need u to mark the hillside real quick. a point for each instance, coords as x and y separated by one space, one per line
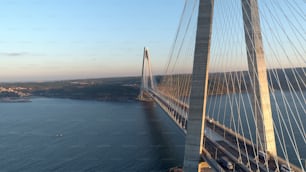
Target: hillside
127 88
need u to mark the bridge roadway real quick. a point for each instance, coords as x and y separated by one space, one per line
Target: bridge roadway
176 112
231 141
221 141
218 147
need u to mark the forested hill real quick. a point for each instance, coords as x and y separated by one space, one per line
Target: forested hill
127 88
115 89
284 79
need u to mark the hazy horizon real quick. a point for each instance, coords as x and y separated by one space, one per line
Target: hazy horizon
60 40
55 40
66 79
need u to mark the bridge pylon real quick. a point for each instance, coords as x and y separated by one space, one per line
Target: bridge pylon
199 83
146 75
265 139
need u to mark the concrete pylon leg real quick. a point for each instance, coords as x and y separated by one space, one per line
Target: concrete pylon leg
146 70
198 96
265 137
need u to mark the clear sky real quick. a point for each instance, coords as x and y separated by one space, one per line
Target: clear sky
68 39
65 39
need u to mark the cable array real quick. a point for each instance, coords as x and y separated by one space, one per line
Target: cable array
231 103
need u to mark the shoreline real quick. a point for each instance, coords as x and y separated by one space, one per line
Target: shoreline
15 100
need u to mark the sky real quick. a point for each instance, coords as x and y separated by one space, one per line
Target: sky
44 40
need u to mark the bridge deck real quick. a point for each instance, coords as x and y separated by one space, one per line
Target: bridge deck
232 142
221 141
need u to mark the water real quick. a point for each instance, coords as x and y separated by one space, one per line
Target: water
288 113
71 135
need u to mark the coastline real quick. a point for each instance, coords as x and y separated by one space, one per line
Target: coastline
15 100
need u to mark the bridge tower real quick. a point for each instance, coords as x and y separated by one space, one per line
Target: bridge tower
146 75
265 138
198 97
199 83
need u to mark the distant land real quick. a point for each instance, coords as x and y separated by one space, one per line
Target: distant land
277 79
104 89
127 88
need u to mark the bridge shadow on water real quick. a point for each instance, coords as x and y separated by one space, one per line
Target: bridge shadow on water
166 139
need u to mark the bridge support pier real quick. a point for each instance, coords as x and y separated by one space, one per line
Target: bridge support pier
203 167
198 96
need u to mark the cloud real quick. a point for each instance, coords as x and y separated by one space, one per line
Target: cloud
13 54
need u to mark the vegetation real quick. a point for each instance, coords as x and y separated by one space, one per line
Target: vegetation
115 89
127 88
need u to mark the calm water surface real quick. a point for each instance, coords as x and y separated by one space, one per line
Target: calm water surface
71 135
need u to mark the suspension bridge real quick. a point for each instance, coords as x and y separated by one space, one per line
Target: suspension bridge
234 84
